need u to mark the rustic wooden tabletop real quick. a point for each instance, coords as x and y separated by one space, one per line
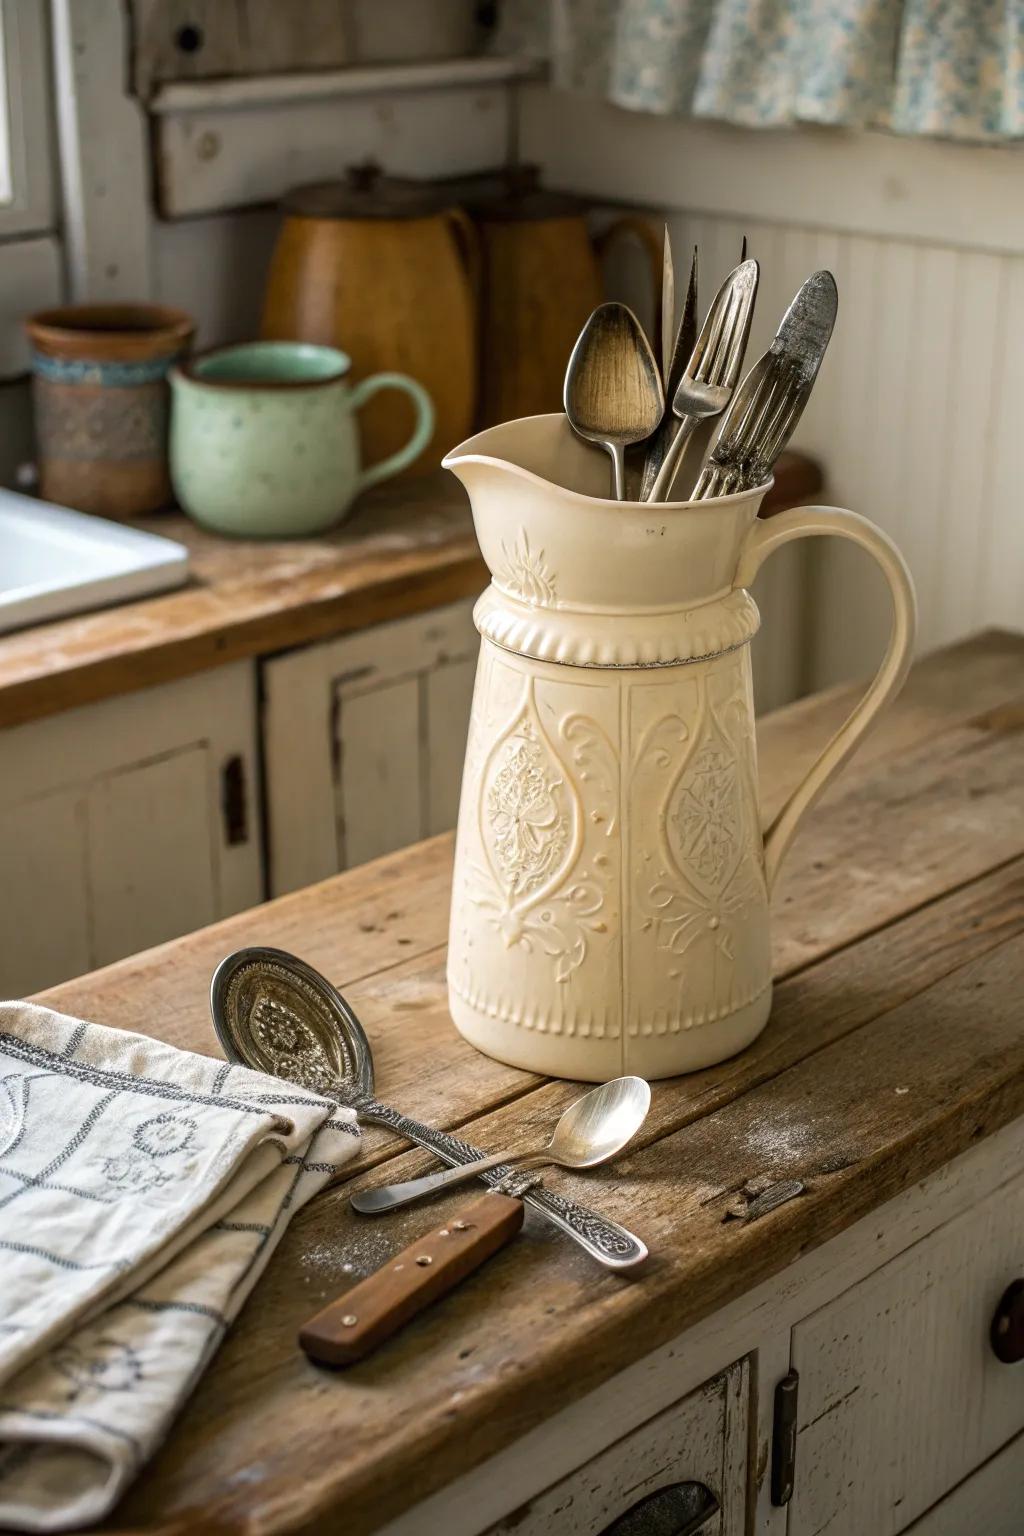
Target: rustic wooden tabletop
896 1043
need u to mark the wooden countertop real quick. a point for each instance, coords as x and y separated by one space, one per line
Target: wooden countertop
895 1043
408 547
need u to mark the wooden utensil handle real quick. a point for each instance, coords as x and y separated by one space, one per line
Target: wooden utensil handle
380 1305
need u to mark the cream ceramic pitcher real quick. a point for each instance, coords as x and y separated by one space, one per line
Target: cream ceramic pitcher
612 881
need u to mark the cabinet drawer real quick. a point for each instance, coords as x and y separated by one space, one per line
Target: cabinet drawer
699 1441
900 1395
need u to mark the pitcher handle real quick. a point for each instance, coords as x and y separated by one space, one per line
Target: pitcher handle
421 432
802 522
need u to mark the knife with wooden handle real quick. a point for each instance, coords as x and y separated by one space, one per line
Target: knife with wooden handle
375 1308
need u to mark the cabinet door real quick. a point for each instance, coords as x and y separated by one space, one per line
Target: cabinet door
900 1394
990 1502
685 1470
126 823
363 742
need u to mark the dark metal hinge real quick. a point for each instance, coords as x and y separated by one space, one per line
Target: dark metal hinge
233 802
784 1439
334 728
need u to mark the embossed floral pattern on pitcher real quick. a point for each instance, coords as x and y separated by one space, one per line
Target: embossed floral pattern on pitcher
700 887
611 888
545 865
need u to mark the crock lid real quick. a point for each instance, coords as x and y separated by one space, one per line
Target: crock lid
366 193
516 196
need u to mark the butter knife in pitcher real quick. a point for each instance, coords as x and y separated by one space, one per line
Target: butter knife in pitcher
765 409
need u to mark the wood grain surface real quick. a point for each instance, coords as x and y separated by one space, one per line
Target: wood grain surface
376 1307
896 1042
405 549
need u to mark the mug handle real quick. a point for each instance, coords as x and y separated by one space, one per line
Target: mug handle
802 522
421 433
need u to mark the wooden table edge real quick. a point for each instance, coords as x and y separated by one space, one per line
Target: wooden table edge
367 1510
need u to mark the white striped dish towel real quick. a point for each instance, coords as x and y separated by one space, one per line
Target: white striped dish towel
142 1192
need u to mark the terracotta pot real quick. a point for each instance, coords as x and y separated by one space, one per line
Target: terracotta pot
99 389
610 900
383 269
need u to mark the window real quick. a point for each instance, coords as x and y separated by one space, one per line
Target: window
26 176
6 181
30 256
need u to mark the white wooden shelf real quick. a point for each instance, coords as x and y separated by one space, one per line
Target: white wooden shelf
224 144
328 84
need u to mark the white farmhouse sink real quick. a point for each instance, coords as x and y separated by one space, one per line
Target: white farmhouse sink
54 561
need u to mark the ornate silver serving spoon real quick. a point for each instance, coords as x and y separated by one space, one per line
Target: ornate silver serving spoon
273 1012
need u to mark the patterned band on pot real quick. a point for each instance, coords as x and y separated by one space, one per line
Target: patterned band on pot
59 370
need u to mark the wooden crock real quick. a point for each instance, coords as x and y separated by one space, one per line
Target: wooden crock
101 401
541 275
383 270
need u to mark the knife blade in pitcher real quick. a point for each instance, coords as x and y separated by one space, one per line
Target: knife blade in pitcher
686 340
765 409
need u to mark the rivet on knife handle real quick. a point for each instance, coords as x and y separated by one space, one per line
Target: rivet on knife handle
614 1246
375 1308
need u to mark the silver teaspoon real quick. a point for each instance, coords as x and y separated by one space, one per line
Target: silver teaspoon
591 1131
613 392
273 1012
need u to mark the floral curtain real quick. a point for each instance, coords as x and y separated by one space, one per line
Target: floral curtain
952 68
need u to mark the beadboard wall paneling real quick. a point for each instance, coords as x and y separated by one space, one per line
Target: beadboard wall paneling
918 413
917 418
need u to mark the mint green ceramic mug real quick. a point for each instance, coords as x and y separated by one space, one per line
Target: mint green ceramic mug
263 440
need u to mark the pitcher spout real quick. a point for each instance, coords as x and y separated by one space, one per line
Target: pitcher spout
553 537
540 450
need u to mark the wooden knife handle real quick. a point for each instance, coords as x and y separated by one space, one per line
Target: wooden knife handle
380 1305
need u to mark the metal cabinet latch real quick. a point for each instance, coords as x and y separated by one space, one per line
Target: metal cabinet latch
1007 1331
233 802
784 1438
681 1509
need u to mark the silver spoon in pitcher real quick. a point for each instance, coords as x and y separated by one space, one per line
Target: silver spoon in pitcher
591 1131
613 393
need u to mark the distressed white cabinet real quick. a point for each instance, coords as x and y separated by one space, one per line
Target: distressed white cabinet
905 1420
124 823
687 1463
990 1502
901 1395
131 821
363 741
